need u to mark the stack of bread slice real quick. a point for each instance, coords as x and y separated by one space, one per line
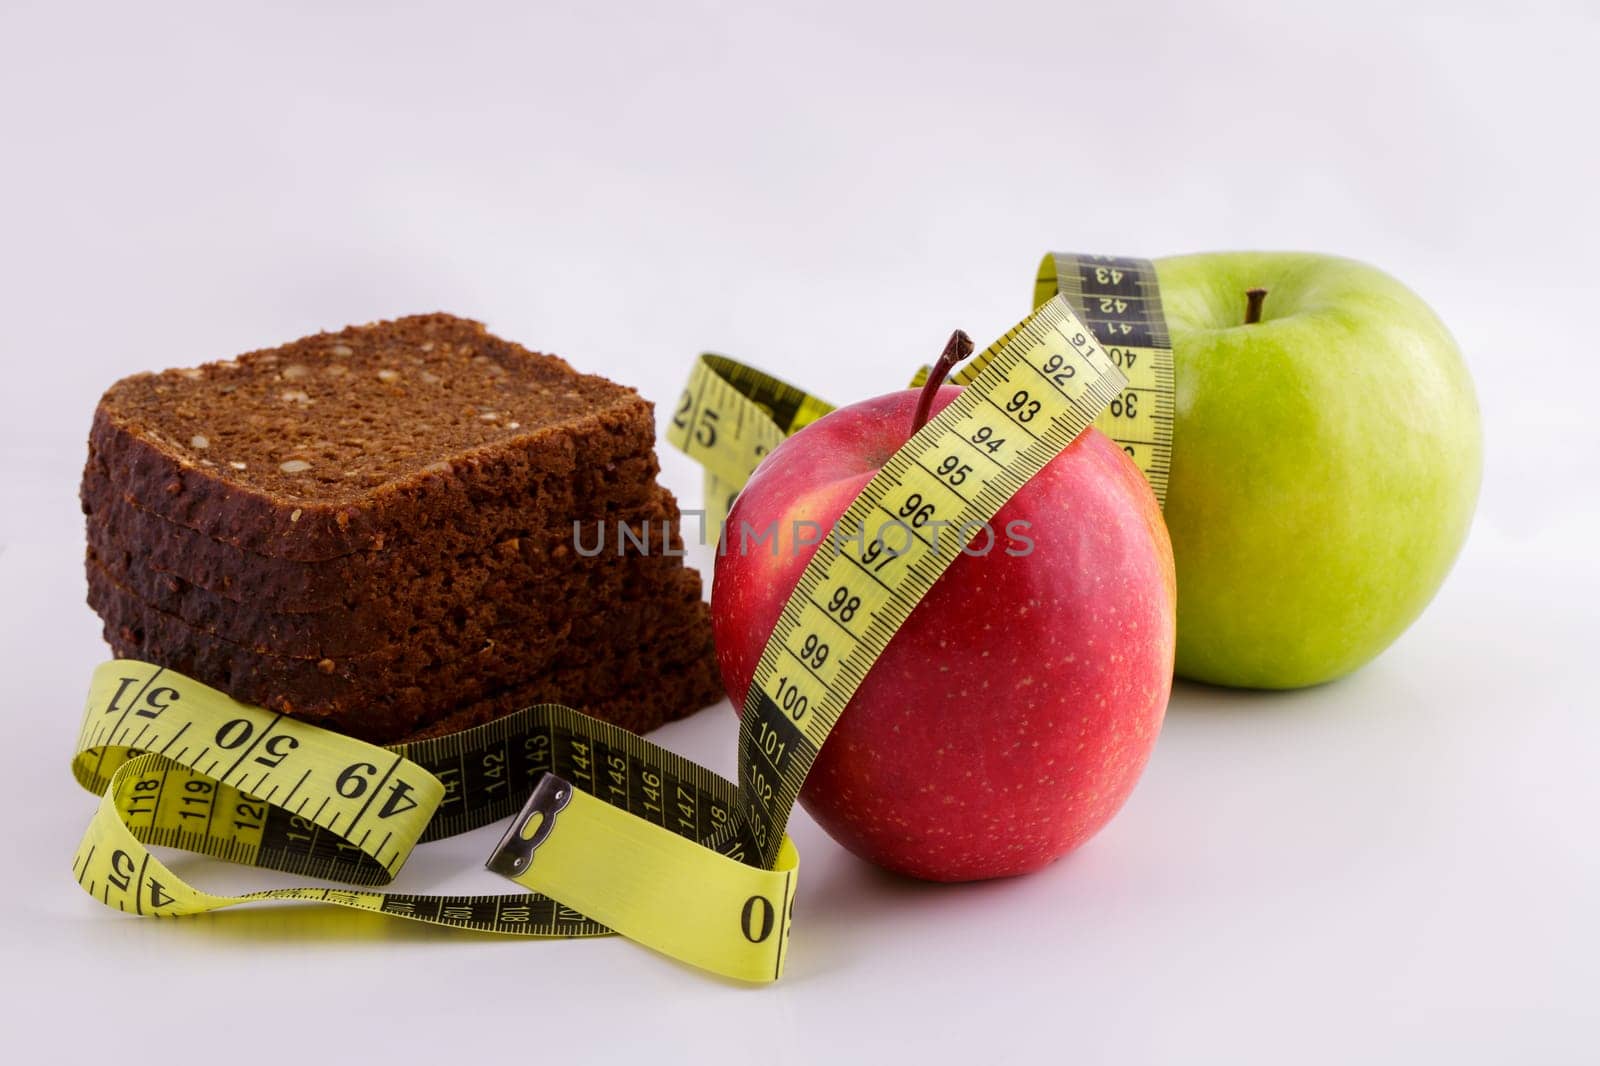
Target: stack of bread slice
394 531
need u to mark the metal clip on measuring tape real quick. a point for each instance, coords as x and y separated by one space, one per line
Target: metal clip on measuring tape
619 834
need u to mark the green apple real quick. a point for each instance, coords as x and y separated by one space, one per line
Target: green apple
1325 465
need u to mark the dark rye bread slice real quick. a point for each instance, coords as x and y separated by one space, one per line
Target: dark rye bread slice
640 689
117 525
395 709
340 442
532 616
546 573
320 687
637 686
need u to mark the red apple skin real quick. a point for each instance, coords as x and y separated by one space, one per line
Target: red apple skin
1011 715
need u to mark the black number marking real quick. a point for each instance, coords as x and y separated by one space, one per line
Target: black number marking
918 512
706 432
399 801
985 438
1058 370
813 651
353 782
123 869
235 733
156 704
877 555
251 815
277 749
790 699
1021 406
953 470
757 919
843 604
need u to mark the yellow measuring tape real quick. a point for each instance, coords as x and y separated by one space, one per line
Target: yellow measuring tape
731 415
182 765
729 418
617 834
1120 300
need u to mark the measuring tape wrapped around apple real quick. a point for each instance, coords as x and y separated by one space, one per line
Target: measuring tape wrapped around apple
620 835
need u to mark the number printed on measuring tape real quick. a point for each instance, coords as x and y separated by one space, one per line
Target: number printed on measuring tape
614 834
730 417
1119 299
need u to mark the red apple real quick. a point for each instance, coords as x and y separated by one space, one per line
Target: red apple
1009 718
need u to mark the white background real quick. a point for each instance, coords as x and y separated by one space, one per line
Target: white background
1400 867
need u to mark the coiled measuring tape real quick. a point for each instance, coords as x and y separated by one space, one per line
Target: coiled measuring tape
616 834
182 765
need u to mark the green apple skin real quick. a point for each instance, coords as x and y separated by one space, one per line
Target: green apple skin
1325 465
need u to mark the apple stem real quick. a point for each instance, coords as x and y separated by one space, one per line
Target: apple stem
1254 298
957 349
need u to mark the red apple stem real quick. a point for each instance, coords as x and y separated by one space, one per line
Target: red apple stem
957 349
1254 298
